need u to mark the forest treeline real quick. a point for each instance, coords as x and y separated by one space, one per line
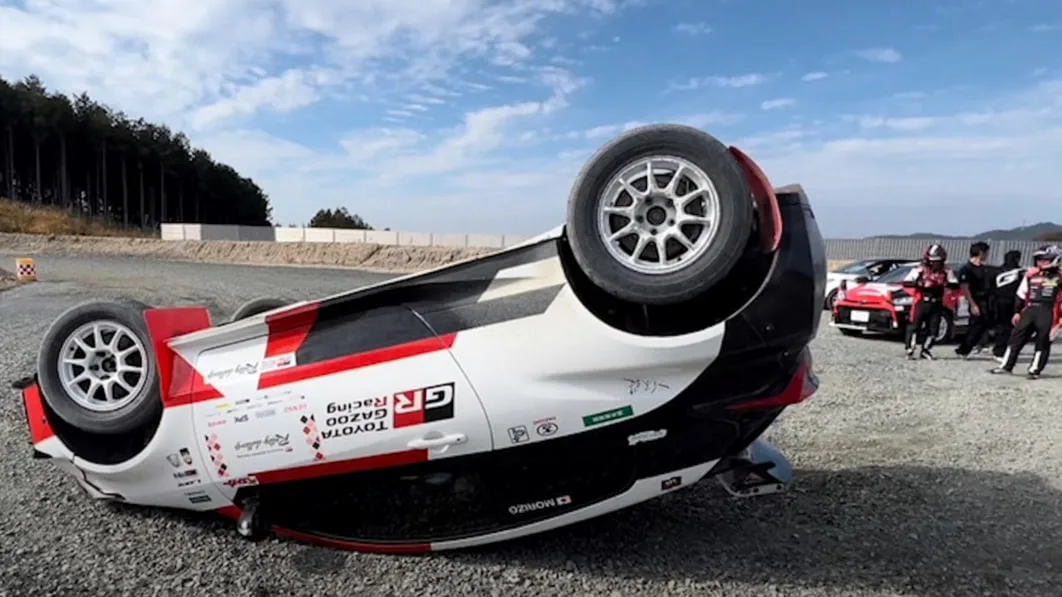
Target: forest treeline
76 153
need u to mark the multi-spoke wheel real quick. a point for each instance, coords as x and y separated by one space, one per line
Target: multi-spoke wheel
660 215
97 367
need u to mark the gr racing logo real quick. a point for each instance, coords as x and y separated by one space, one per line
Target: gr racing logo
424 405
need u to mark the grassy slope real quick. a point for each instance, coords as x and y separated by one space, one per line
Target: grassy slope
25 218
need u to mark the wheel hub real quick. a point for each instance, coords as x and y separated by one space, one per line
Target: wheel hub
102 366
659 214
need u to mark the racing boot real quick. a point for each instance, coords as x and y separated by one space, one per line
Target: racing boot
758 470
926 354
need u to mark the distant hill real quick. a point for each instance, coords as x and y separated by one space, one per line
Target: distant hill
1033 232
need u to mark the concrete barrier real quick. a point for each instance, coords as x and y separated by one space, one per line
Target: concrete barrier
836 249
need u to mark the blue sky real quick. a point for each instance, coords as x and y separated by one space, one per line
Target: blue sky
475 115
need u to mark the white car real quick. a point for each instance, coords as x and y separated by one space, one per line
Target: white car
864 270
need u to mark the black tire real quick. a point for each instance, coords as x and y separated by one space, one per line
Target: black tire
145 404
946 320
830 298
735 218
257 306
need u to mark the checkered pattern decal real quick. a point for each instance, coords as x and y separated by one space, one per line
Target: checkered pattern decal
313 436
214 448
26 270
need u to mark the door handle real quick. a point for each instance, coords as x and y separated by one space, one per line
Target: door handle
441 441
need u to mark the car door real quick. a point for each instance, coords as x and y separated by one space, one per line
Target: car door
363 389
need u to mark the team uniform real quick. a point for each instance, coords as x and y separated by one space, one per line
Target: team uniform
1003 305
1038 307
927 282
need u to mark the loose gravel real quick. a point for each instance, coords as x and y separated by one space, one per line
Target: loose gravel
913 478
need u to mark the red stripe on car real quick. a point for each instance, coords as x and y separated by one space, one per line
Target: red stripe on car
40 430
289 329
342 467
272 379
180 383
233 512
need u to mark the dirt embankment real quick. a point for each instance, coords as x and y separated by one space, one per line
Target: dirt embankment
355 255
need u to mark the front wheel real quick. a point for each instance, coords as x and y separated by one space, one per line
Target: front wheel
660 215
831 298
97 369
944 330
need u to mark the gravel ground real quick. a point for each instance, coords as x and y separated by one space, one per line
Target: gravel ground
926 478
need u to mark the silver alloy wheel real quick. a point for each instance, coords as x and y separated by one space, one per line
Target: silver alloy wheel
658 214
942 330
102 366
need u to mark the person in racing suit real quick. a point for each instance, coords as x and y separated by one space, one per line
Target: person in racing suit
927 282
1006 280
1036 311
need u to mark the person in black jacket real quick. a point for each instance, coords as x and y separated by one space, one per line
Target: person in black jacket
975 281
1001 303
927 282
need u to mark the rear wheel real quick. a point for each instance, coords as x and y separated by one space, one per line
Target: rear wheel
831 298
97 368
659 215
944 330
257 307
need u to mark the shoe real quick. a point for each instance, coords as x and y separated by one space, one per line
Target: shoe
962 355
1031 375
999 371
927 355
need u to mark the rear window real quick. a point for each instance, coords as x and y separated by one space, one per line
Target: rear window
859 267
895 276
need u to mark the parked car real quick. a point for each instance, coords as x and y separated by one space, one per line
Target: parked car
864 270
884 306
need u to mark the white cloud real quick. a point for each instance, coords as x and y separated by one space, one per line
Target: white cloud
815 76
732 82
897 124
694 29
886 55
1044 27
775 104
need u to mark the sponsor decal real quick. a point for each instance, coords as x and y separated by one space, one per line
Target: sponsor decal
261 414
186 474
608 416
646 436
269 444
189 483
563 500
241 418
312 436
518 434
357 416
223 406
243 401
248 481
670 483
198 497
644 386
216 423
424 405
241 369
546 427
278 362
179 458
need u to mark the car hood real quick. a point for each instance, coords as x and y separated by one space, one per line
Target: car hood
873 292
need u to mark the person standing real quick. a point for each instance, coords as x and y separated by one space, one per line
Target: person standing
927 282
1036 313
974 280
1001 303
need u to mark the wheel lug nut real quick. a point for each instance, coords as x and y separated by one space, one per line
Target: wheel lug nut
671 222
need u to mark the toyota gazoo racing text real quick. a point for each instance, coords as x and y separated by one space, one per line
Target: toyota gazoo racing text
883 306
644 345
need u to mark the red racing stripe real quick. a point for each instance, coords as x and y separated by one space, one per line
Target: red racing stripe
188 386
342 467
39 428
289 329
176 377
272 379
233 512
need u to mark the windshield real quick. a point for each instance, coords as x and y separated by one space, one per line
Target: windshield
859 267
895 276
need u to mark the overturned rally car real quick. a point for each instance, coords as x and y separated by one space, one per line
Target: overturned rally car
641 347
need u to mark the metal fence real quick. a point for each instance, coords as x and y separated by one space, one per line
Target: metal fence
912 248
